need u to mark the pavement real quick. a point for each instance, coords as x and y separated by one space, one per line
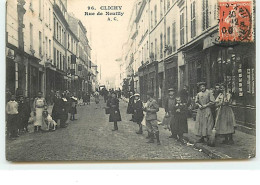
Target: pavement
243 148
90 138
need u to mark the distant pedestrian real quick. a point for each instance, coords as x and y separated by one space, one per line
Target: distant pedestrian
204 119
151 110
38 107
119 93
225 119
180 125
96 96
114 111
138 112
73 107
12 117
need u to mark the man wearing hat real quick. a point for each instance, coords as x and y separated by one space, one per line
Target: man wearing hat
151 118
204 119
169 105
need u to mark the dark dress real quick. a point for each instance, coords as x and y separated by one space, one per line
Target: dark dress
24 111
138 111
64 110
115 115
73 107
180 125
130 109
56 110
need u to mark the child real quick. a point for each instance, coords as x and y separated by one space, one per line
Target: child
180 125
12 118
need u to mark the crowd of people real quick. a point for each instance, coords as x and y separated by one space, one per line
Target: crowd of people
214 116
20 113
213 113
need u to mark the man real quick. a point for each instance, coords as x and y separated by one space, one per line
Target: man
169 105
12 117
151 109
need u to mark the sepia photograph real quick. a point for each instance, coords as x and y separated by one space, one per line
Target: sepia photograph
130 80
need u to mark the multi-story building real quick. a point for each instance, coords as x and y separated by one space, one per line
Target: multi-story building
184 50
42 49
29 45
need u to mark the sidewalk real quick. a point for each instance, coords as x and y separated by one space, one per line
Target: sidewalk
243 148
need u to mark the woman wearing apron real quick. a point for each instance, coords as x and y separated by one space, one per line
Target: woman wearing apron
38 107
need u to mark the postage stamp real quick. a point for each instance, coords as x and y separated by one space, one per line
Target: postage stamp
235 21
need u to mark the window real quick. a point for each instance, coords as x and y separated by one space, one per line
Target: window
54 57
31 36
152 19
205 11
40 43
155 49
174 36
58 61
168 36
49 48
49 16
40 8
68 41
54 27
46 47
161 45
168 4
182 28
161 9
193 20
152 47
155 15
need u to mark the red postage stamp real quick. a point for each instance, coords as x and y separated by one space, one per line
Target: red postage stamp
235 21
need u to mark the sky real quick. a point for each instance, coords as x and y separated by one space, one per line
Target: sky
107 37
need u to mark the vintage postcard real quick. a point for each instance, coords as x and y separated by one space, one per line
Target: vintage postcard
130 80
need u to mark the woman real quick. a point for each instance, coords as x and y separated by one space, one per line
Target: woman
130 104
225 118
114 116
56 107
169 106
73 107
138 112
38 107
64 109
204 119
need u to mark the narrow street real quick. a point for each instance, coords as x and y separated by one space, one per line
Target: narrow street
90 138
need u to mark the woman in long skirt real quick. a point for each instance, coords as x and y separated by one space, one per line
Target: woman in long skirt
38 106
204 119
114 111
225 118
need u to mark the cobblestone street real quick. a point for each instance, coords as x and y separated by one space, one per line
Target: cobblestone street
91 138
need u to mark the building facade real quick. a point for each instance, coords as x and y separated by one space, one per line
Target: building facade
183 49
43 51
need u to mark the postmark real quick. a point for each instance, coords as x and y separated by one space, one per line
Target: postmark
235 21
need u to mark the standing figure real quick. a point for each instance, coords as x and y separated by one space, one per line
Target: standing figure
151 110
64 110
215 92
225 119
73 107
56 107
130 104
119 93
138 112
169 106
88 98
180 125
84 98
204 119
115 115
38 107
12 116
24 114
96 95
